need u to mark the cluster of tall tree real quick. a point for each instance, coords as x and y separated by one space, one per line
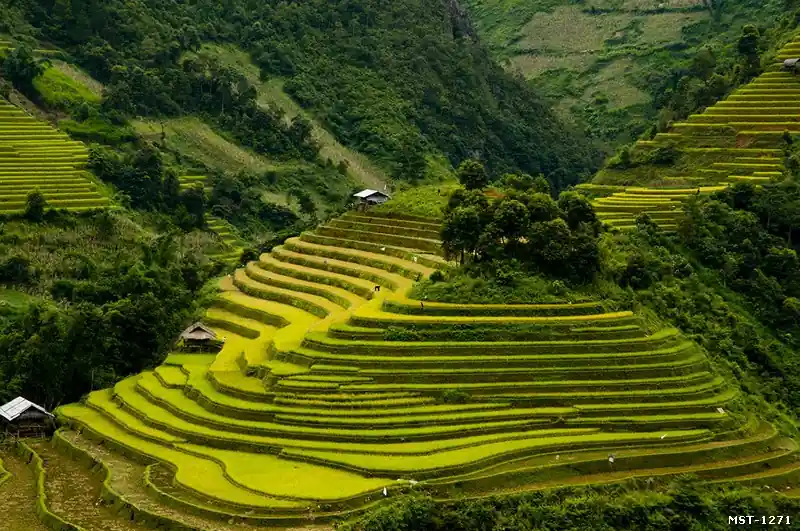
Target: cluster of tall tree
750 235
108 315
525 225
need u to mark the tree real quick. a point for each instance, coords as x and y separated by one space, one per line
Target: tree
461 232
549 245
461 198
704 63
15 269
715 8
541 207
511 218
524 182
304 201
749 48
577 209
21 67
35 205
194 200
472 175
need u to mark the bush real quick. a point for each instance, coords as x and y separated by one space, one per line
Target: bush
437 276
35 206
15 269
455 396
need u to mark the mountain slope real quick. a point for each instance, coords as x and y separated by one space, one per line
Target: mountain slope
327 370
611 65
394 81
271 93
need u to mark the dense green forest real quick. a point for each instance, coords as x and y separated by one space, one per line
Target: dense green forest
616 508
395 81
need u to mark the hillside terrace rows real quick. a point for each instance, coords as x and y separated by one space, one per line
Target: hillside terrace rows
231 244
317 401
34 155
739 139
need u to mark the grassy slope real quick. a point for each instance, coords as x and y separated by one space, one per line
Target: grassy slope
79 77
63 83
15 299
557 39
270 93
197 141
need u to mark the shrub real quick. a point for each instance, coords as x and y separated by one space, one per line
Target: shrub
35 206
455 396
15 269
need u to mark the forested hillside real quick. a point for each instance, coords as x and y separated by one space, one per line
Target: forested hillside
396 80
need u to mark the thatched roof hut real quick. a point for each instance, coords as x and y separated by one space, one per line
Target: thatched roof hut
198 332
199 337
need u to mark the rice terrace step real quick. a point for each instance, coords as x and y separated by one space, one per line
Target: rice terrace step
34 155
311 412
717 148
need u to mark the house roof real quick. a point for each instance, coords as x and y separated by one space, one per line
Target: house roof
791 62
17 407
369 193
198 331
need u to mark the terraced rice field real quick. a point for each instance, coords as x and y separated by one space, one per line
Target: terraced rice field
35 155
311 410
736 140
232 245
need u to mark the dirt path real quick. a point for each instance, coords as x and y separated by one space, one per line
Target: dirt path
18 496
73 493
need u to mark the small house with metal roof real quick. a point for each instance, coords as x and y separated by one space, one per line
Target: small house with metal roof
368 197
23 418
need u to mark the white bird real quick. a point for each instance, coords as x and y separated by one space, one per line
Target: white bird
415 259
663 435
383 248
385 492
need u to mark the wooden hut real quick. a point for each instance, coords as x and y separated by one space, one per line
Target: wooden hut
366 198
199 338
792 65
23 418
